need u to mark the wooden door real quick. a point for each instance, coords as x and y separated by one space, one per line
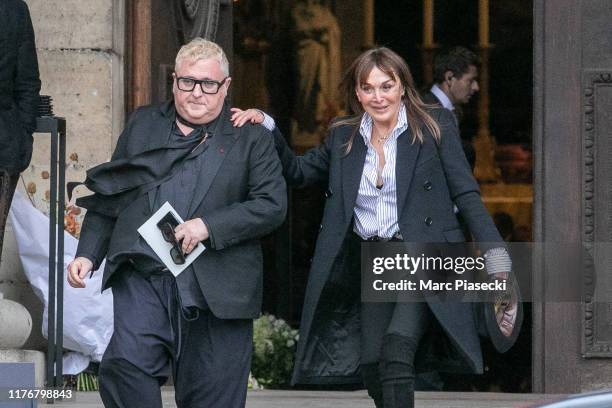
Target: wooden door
572 347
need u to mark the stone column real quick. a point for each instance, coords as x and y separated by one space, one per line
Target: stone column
81 57
16 323
20 312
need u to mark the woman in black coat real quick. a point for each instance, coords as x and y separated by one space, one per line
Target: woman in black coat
394 169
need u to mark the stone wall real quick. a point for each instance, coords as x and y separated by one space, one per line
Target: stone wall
80 47
80 53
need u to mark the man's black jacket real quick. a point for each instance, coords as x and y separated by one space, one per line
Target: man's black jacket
19 85
241 196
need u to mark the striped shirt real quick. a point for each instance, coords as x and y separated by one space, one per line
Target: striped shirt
268 122
376 208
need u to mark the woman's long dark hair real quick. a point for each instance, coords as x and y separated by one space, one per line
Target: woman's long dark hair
395 67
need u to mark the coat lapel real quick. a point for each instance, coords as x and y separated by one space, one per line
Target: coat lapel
352 170
217 149
405 161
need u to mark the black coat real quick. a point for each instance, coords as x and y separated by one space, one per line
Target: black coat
241 196
19 85
328 350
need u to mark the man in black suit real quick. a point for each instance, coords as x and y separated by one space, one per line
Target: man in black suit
455 82
227 183
19 87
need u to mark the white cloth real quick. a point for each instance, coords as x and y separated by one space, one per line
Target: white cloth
88 313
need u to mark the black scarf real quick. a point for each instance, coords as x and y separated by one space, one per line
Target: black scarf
118 183
191 124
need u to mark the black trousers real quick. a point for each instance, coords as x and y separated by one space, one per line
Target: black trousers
153 337
409 319
8 183
390 335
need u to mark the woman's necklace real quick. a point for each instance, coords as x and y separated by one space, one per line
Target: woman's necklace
381 139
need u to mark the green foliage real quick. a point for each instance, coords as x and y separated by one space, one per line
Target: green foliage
87 382
274 345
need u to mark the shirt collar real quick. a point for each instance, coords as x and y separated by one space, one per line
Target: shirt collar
435 89
365 128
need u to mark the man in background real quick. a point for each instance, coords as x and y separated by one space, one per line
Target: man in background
19 89
455 82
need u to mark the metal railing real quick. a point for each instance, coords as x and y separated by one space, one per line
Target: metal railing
56 127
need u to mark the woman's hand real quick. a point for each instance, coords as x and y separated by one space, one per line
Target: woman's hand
507 307
240 117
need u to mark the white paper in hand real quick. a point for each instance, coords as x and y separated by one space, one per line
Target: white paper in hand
153 236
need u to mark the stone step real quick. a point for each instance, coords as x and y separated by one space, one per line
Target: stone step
342 399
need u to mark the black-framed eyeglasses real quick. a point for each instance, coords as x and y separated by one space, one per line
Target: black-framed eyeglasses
208 86
175 252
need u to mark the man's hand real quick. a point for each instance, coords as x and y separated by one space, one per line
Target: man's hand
191 232
77 270
240 117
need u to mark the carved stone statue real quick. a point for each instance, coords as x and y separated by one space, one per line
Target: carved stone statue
196 18
316 37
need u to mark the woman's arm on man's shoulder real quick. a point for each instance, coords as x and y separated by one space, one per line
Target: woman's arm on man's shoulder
299 171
